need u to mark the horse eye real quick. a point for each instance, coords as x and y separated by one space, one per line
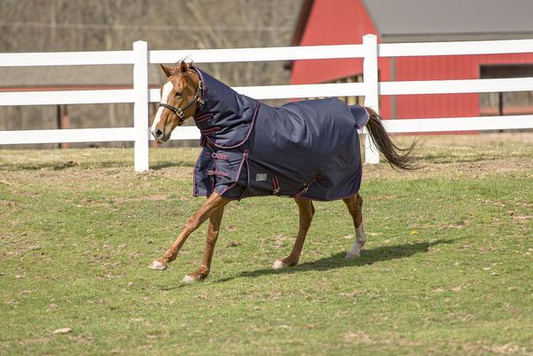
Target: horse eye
177 94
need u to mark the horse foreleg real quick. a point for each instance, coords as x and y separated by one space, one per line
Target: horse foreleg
355 207
213 203
212 235
306 212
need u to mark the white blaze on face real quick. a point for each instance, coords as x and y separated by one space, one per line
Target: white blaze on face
167 89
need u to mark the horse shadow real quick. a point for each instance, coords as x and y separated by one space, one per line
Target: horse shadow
337 260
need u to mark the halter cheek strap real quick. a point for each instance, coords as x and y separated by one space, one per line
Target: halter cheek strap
180 112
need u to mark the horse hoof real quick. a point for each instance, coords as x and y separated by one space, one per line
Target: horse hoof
279 265
350 256
188 280
158 266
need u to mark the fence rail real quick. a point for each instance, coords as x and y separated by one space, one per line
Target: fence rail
258 54
65 58
140 57
57 97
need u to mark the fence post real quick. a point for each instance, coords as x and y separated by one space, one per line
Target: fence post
140 110
370 78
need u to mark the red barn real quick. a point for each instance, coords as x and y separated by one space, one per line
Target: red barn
326 22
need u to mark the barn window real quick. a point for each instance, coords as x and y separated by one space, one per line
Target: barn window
350 100
509 103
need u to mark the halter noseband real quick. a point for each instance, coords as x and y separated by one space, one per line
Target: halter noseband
180 112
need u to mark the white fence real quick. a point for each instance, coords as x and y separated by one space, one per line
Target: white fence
371 88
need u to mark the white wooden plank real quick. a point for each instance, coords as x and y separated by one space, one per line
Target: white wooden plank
456 86
257 54
66 135
66 97
65 58
267 54
192 133
291 91
302 90
454 48
460 124
184 133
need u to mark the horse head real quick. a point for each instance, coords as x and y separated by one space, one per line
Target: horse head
180 97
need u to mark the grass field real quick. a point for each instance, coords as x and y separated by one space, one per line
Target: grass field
447 268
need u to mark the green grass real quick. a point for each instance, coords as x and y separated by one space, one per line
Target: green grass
447 267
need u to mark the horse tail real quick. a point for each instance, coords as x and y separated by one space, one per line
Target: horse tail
397 157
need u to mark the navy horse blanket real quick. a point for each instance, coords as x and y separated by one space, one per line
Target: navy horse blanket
308 149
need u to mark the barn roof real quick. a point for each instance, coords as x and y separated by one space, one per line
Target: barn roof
440 20
437 20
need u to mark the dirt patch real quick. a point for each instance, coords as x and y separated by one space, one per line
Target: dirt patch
480 348
360 337
8 203
16 245
123 200
479 139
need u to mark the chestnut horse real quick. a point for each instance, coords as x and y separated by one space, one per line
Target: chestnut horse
190 92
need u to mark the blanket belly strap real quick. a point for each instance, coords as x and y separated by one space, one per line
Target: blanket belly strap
276 187
308 185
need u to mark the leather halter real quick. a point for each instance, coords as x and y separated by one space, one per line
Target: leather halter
180 112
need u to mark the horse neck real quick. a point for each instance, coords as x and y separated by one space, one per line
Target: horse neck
215 92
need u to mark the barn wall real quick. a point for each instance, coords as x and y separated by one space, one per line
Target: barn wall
441 105
446 68
346 21
327 25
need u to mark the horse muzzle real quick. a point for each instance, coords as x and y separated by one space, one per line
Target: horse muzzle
160 136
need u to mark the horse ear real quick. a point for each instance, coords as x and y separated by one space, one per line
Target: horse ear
168 71
184 67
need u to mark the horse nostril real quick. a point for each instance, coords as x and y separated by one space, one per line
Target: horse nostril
158 133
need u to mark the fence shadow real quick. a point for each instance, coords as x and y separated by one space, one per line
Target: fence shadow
368 257
60 165
171 164
37 166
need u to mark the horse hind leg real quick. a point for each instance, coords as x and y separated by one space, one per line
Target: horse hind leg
355 207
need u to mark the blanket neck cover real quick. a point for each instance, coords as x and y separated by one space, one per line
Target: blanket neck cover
307 149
